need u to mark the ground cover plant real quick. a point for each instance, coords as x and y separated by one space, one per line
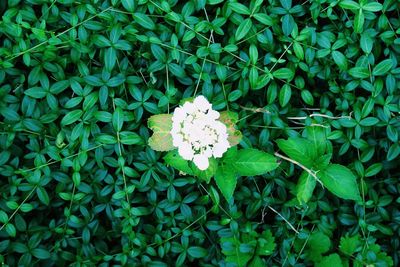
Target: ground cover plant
308 92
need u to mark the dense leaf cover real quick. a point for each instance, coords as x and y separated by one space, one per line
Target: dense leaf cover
79 79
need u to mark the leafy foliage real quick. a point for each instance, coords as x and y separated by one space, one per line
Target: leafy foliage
80 185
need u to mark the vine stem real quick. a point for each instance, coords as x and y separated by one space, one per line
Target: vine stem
17 209
312 173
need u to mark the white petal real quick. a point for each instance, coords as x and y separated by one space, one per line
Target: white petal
208 152
186 151
202 103
212 114
179 115
177 140
189 107
201 161
220 149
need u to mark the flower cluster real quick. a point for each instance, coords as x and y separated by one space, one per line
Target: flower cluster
197 132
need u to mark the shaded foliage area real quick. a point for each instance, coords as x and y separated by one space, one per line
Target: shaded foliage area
79 79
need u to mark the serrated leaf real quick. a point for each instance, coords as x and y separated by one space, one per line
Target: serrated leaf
230 118
317 244
250 162
226 178
207 174
333 260
349 245
340 181
299 149
317 136
230 247
305 187
173 159
265 244
161 125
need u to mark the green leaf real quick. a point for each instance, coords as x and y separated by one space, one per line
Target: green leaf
226 179
243 29
239 8
110 58
207 174
382 68
40 253
340 181
264 19
369 121
253 53
284 74
230 247
299 149
340 60
177 70
366 43
36 92
161 124
118 119
305 187
250 162
173 159
317 136
284 95
9 114
10 229
373 7
333 260
144 21
106 139
393 152
256 262
3 217
288 24
42 195
93 80
265 244
197 252
349 245
71 117
318 243
359 72
348 4
298 50
359 21
129 5
130 138
26 207
59 87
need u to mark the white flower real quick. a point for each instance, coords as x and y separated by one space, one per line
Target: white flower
197 133
201 161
